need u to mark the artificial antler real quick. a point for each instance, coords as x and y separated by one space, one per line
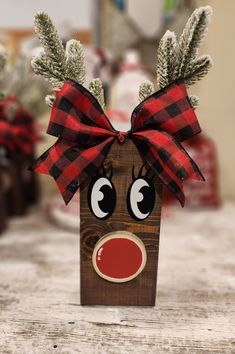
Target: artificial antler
51 63
145 90
75 62
96 88
166 59
57 64
179 60
191 40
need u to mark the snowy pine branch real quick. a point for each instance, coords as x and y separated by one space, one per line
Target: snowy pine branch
197 69
145 90
44 66
179 60
50 40
166 57
96 88
194 100
191 38
75 65
56 64
49 99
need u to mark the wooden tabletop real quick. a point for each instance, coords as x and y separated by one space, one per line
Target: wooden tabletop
39 291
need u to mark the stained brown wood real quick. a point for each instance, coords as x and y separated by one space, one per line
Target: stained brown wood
142 289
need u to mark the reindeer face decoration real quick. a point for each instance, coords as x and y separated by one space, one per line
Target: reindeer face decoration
122 171
120 174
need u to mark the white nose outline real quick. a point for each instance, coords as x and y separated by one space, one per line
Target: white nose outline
114 235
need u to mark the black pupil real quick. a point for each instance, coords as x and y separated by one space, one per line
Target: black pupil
107 204
147 204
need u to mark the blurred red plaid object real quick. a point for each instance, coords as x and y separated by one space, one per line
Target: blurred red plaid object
24 131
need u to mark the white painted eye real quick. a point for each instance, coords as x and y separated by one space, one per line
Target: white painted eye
141 198
102 197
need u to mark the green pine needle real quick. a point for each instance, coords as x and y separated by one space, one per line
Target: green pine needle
75 65
192 37
50 40
44 66
49 99
96 88
179 60
56 64
194 100
145 90
166 58
197 70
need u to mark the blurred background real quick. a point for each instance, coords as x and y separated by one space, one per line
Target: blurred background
120 39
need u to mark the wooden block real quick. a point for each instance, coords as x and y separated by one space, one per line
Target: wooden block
142 289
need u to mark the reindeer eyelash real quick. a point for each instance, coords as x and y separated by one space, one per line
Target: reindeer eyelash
103 171
148 174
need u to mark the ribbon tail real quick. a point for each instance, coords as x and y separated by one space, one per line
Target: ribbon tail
168 159
71 165
174 184
198 175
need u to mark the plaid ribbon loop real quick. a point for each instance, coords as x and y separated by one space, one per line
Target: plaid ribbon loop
158 126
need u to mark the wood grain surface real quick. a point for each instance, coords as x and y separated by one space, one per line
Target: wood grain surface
142 289
40 310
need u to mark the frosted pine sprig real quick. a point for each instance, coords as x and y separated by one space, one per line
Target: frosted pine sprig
194 100
192 37
166 58
75 63
49 99
50 40
56 64
197 70
96 88
179 60
43 65
145 90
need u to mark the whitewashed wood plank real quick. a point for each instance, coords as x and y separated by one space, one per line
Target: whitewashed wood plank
39 292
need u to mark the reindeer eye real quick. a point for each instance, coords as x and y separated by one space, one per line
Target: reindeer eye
102 197
141 198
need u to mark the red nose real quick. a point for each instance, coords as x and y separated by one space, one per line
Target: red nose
119 256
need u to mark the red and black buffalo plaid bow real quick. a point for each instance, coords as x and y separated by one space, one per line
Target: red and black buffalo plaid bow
158 125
